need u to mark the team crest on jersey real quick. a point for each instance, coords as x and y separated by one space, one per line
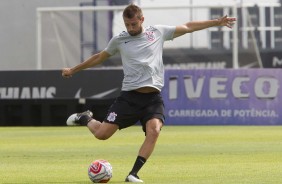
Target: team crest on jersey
112 117
150 35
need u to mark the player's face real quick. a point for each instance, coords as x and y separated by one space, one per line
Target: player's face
133 25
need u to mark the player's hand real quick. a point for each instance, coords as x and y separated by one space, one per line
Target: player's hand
227 21
67 72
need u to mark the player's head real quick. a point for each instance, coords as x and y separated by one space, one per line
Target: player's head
133 19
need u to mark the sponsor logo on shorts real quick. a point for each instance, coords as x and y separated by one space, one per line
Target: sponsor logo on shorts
112 117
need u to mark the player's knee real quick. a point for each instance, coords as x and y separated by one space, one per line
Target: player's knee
152 134
153 131
105 131
102 136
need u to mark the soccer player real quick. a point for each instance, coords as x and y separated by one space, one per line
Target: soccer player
141 51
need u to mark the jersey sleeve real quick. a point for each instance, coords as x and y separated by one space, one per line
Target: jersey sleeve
167 31
112 46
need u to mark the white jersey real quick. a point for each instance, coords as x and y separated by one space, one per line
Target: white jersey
142 56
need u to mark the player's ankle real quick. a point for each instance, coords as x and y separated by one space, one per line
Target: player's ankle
84 119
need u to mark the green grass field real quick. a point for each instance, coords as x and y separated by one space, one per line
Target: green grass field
184 154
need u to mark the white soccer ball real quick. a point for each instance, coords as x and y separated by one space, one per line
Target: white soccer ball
100 171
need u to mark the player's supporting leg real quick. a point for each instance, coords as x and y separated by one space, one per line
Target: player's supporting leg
153 128
101 131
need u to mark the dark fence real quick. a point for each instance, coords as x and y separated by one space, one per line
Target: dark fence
51 112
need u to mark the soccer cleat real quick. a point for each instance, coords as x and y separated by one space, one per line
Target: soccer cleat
79 118
133 179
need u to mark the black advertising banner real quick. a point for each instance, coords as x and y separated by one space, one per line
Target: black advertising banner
272 59
92 84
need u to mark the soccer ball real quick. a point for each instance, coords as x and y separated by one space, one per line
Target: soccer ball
100 171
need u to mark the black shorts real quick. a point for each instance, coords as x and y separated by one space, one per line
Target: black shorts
131 107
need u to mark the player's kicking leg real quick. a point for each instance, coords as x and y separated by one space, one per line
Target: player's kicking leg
101 131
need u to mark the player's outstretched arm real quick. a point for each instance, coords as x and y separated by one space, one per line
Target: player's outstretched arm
94 60
192 26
